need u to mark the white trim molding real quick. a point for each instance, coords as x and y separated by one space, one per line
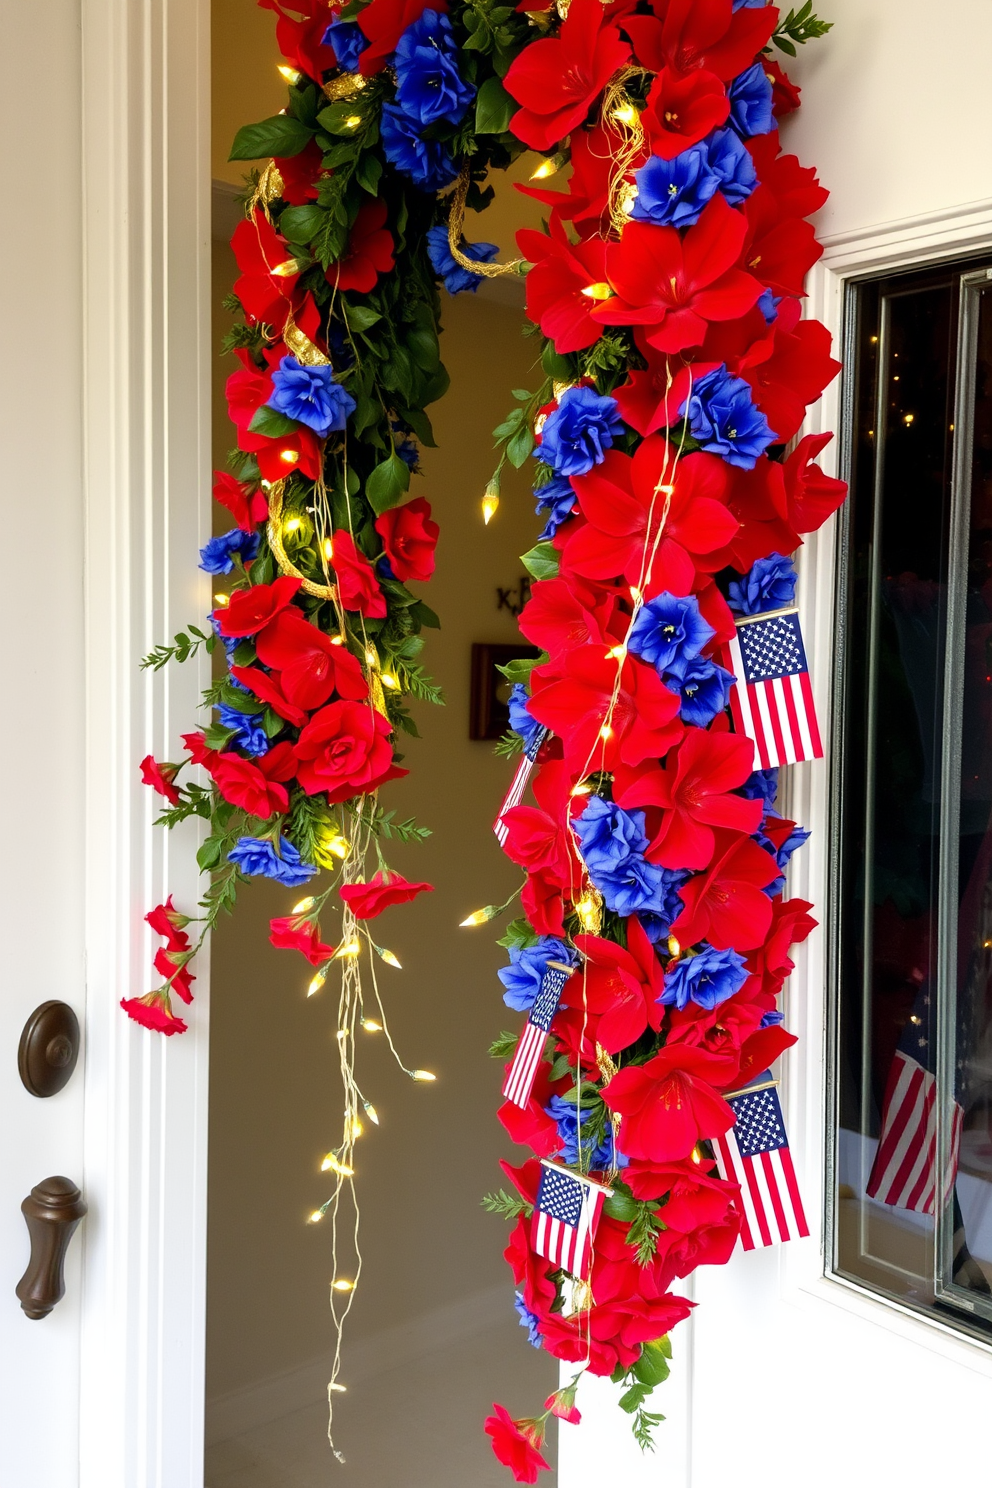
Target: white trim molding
146 132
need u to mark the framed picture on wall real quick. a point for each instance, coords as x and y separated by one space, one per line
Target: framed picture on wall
489 714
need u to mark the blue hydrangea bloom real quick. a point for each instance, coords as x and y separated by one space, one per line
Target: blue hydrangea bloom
768 305
522 978
311 396
724 421
249 734
769 585
703 687
256 856
456 279
706 979
528 1320
762 785
613 842
782 855
429 87
657 924
555 498
732 165
568 1118
577 434
522 721
672 193
668 631
770 1019
217 556
349 42
751 102
426 162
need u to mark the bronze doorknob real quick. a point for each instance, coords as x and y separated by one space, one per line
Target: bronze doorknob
52 1210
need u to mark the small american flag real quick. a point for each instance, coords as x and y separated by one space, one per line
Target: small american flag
522 1072
772 700
518 785
755 1154
565 1217
904 1173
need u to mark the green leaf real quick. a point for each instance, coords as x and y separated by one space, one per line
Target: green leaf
493 108
518 933
209 854
272 424
424 615
520 668
541 562
652 1368
281 135
301 224
339 118
519 447
504 1046
388 484
359 317
621 1206
369 172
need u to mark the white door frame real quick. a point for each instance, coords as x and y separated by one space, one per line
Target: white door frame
145 282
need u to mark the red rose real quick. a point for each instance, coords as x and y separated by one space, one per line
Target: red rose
311 665
367 900
558 79
160 777
785 93
409 538
246 506
517 1443
154 1011
266 686
358 588
256 784
246 390
296 933
669 1104
345 751
369 252
252 608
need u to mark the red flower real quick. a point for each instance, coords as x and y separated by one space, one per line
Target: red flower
779 250
794 188
300 174
198 751
296 933
788 368
171 965
154 1011
256 785
517 1443
681 108
160 777
757 499
383 23
695 1195
385 888
695 791
725 905
584 204
409 538
300 40
310 664
811 496
560 273
701 34
248 507
252 608
531 1125
617 988
722 1030
558 79
669 1104
562 1404
651 397
358 588
538 836
259 249
369 252
266 686
676 285
563 614
541 901
606 711
166 920
246 391
785 93
345 751
791 924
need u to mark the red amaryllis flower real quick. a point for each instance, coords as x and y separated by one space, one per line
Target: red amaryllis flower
297 933
266 686
778 250
760 1051
556 284
701 34
722 1030
248 507
542 902
618 989
795 188
246 391
785 93
369 252
788 367
606 711
682 108
696 1194
530 1125
676 285
811 496
791 924
651 397
669 1104
695 791
652 518
345 751
409 538
366 900
310 665
383 23
517 1443
557 80
300 174
725 905
259 249
300 34
160 778
563 614
358 588
585 203
154 1011
757 499
538 836
252 608
256 784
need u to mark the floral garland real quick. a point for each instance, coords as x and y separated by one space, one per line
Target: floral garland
666 289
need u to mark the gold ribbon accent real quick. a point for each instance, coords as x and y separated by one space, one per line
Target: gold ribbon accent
286 566
299 343
345 86
269 186
456 226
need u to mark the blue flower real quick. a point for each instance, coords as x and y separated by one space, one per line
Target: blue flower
349 42
426 162
405 445
525 973
521 720
669 631
762 785
568 1119
557 498
707 979
732 165
217 556
613 842
768 305
751 102
657 924
249 734
704 688
723 419
770 584
674 192
457 279
528 1320
429 86
311 396
578 433
257 856
782 855
770 1019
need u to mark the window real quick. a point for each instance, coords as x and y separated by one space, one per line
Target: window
912 902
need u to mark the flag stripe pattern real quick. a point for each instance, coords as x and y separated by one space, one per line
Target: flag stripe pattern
904 1173
772 699
518 785
565 1217
755 1154
520 1077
